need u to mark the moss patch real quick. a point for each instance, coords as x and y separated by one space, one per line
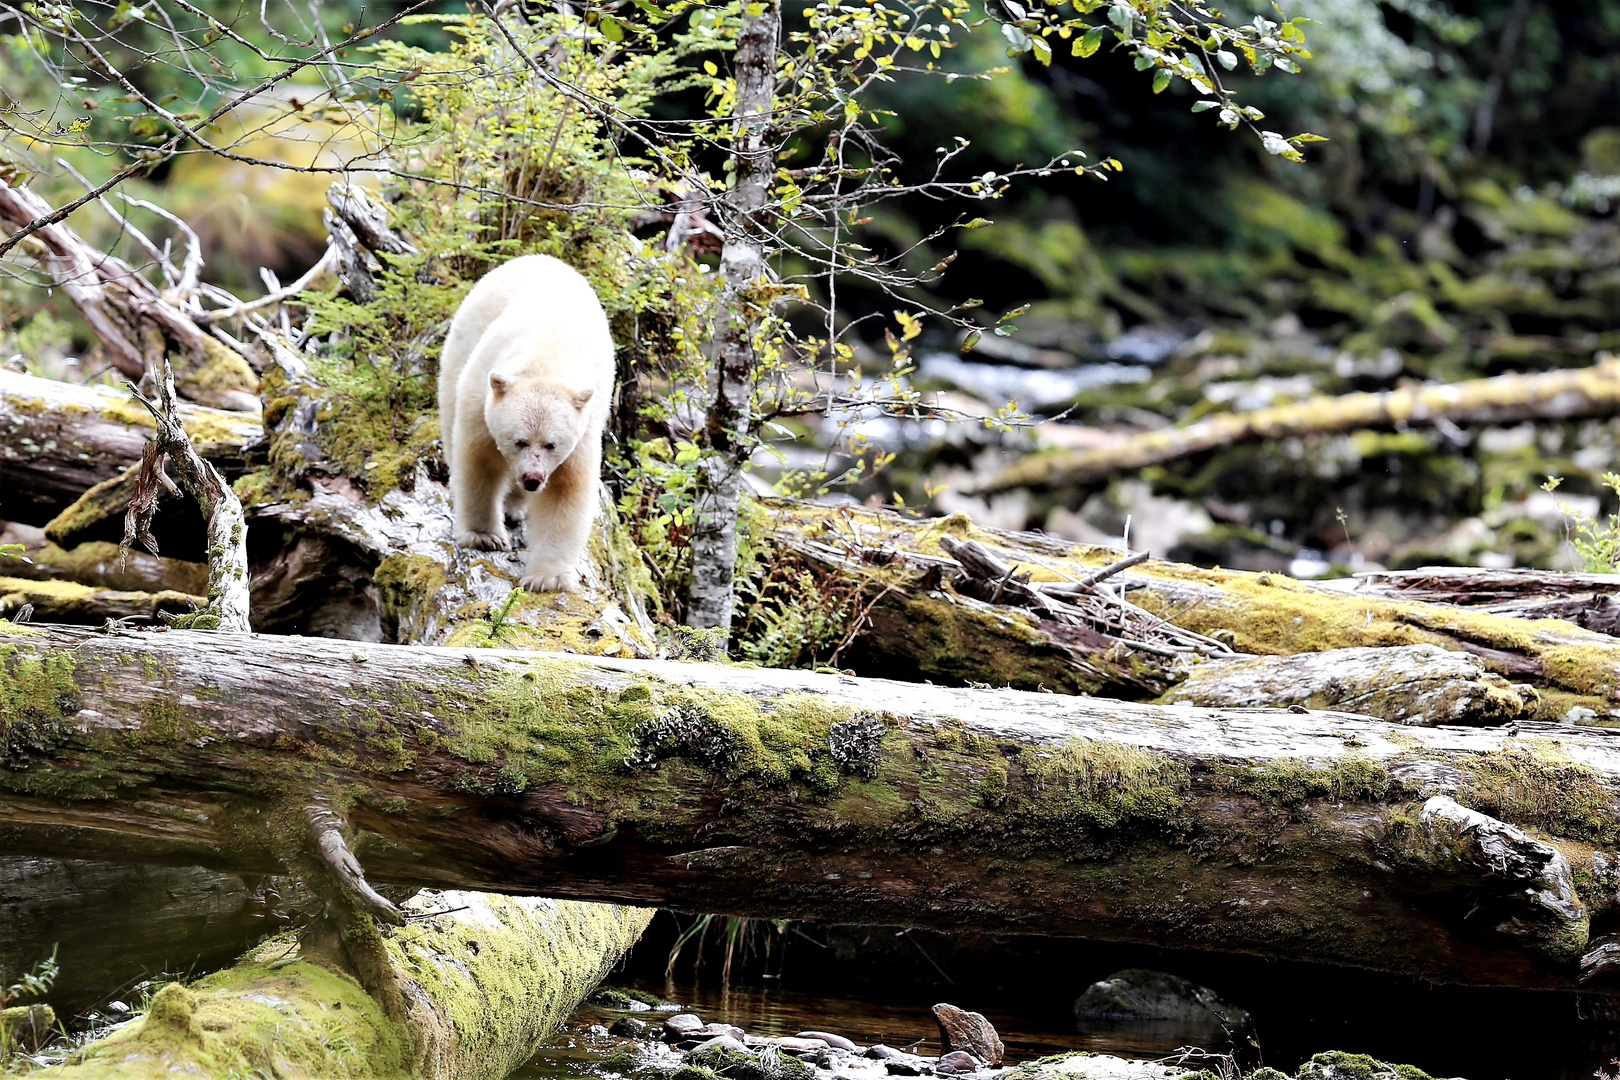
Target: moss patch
1533 782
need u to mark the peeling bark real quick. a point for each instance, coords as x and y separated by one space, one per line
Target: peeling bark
1504 399
792 794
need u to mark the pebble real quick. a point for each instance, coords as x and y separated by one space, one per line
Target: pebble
682 1023
836 1041
957 1061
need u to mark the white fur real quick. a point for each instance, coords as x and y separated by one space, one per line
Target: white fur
529 357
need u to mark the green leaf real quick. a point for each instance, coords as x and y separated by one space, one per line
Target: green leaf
1088 43
1226 59
1161 79
978 223
1204 106
145 125
708 66
1014 9
1120 15
611 28
1043 51
971 340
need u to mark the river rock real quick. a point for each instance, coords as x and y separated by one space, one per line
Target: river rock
1094 1067
838 1042
957 1061
1142 994
1338 1065
969 1031
629 1027
710 1031
906 1065
882 1052
679 1025
713 1047
799 1045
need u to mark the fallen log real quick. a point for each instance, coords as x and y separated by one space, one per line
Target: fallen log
1310 835
918 625
86 605
1504 399
483 980
99 564
59 439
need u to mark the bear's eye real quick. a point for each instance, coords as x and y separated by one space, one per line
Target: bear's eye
551 446
522 444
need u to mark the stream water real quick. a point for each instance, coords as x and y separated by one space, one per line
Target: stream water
1298 1010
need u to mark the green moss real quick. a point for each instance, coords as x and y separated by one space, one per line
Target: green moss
1102 784
1338 1065
768 1064
36 693
1533 782
1292 781
407 583
294 1019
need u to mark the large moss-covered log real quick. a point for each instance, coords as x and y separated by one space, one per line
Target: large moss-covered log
59 439
1462 854
1504 399
484 979
916 624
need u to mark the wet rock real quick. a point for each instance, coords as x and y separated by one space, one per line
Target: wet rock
681 1024
1142 994
836 1041
709 1031
882 1052
629 1027
611 997
1338 1065
968 1031
801 1044
720 1043
906 1065
957 1061
1094 1067
729 1058
26 1027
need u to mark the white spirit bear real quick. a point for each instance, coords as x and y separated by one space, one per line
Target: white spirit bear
525 383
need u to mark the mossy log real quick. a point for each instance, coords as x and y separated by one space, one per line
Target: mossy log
915 624
1308 835
484 980
86 605
59 439
1505 399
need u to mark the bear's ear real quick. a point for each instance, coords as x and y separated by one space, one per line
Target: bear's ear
583 398
499 383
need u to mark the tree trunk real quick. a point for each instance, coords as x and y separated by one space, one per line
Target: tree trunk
1504 399
1313 836
725 436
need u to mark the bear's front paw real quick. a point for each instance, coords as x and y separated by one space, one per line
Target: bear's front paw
565 581
483 541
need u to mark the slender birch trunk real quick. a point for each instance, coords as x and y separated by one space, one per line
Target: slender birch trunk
742 267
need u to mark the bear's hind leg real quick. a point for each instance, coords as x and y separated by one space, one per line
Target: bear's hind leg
558 526
478 487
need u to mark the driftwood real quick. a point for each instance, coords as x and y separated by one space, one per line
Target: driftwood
71 602
1504 399
1309 835
133 322
1589 600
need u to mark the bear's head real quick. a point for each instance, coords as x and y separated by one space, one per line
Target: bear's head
536 424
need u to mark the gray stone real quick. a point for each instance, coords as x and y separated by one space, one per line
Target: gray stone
681 1024
957 1061
882 1052
835 1041
1142 994
708 1048
629 1027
